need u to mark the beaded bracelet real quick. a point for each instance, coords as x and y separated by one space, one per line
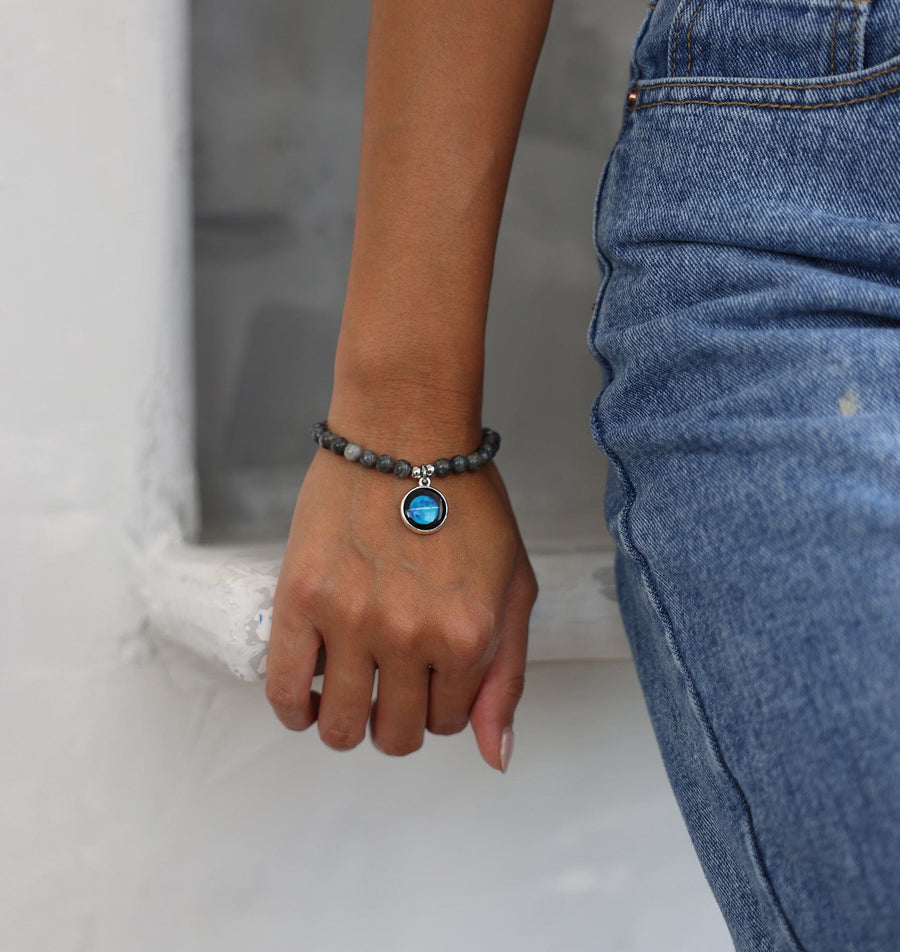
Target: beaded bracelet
424 508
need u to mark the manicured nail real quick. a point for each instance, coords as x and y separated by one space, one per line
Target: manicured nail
506 748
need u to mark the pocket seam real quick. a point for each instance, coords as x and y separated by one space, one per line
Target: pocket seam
762 84
853 34
673 46
690 30
806 107
834 26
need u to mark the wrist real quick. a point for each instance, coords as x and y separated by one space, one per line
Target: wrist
417 423
403 406
410 341
406 439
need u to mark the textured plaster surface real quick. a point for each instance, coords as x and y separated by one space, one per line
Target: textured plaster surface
217 601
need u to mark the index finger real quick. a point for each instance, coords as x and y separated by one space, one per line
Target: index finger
291 665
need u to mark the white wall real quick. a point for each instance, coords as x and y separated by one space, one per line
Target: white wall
148 802
95 439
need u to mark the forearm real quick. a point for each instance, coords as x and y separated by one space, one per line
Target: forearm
446 86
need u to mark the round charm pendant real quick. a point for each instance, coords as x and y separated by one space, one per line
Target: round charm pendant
424 508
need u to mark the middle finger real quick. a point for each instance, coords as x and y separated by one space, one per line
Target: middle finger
401 707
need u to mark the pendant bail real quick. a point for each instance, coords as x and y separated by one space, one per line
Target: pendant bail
423 471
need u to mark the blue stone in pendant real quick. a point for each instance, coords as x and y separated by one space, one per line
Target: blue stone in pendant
424 509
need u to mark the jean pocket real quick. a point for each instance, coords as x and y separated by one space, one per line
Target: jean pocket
784 40
780 54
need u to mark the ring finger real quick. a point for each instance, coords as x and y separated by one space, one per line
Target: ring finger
450 699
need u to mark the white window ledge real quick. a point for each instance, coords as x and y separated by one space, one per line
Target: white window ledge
217 601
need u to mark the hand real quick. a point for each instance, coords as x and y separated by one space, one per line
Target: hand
442 617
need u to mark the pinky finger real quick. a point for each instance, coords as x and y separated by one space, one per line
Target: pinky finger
495 704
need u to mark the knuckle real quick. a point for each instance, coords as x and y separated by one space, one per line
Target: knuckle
515 687
354 610
466 647
471 635
340 734
303 588
405 634
284 696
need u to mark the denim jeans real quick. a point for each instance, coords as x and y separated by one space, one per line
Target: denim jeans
747 226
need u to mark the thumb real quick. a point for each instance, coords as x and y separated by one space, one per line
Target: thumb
495 703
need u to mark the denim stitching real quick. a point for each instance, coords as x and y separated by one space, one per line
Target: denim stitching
675 28
789 86
690 30
834 24
693 693
807 107
602 261
853 34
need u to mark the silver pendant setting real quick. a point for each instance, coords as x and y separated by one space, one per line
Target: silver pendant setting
424 508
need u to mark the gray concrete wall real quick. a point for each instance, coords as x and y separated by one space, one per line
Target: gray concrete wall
278 92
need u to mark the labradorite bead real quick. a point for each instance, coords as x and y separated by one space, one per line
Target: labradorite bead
402 468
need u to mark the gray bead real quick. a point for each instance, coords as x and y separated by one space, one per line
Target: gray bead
485 454
402 468
384 463
473 461
367 458
316 430
325 439
352 451
442 466
460 464
338 444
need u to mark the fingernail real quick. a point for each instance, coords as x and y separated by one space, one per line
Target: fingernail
506 748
